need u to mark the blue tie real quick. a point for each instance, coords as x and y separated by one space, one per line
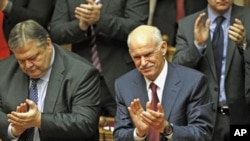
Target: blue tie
33 91
28 135
218 45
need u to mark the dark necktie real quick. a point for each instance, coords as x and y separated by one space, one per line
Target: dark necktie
153 135
28 135
180 13
218 45
95 57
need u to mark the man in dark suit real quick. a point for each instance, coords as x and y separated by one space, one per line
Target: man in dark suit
165 12
68 105
195 50
184 110
113 20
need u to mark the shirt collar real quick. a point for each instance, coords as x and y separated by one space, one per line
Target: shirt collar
212 15
161 78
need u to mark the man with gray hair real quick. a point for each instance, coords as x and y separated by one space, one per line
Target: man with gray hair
42 96
159 100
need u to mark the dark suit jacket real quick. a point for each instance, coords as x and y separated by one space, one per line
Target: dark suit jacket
188 55
71 108
247 72
165 15
185 101
118 18
38 10
247 60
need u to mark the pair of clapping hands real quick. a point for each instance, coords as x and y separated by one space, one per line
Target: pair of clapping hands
236 31
88 14
145 119
26 116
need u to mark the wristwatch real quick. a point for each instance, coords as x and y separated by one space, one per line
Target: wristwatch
168 130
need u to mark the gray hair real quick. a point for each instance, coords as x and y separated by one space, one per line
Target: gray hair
156 35
27 30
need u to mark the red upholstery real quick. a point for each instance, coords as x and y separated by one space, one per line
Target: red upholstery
4 50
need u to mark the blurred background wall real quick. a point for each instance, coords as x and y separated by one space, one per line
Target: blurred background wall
242 2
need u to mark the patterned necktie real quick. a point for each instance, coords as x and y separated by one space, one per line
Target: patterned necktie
180 13
94 58
218 45
28 135
153 135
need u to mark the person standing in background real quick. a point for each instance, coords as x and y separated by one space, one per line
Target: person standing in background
220 58
112 20
63 104
16 11
165 15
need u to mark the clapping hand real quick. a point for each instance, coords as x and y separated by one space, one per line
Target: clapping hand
88 14
201 30
135 111
22 118
237 32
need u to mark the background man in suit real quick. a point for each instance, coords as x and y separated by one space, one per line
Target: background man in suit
113 21
16 11
68 105
184 110
195 50
164 15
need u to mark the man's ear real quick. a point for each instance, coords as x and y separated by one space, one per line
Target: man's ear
164 48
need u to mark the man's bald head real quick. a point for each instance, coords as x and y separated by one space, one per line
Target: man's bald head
144 35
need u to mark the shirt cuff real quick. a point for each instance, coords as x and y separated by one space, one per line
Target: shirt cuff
137 138
169 137
10 135
201 49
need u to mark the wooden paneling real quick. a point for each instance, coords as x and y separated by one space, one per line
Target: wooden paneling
106 127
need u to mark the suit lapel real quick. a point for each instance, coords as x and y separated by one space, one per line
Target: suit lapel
231 47
170 91
209 52
21 92
55 81
230 51
210 57
140 90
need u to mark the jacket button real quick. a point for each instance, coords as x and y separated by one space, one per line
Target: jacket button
216 89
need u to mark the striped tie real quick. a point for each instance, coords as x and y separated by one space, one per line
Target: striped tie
94 58
28 135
